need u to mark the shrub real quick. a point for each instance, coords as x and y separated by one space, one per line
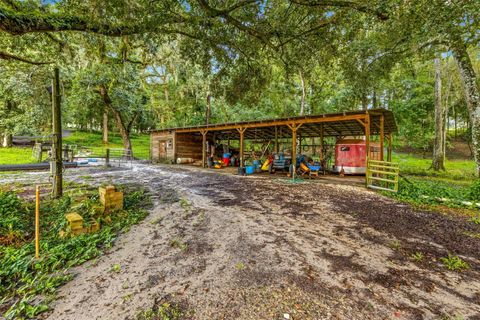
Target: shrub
15 220
22 277
474 191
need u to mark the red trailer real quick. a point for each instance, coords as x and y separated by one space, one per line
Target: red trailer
350 156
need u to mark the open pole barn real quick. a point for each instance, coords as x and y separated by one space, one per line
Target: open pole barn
174 144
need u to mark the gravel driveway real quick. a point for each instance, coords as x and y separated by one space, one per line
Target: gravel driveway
228 247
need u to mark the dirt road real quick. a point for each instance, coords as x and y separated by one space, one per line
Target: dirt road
229 247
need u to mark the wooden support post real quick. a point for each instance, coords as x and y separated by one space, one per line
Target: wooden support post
389 150
382 135
175 149
294 127
107 158
299 144
57 162
242 145
321 141
276 140
37 222
204 147
294 150
367 144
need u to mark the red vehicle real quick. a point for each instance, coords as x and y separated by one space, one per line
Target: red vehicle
350 156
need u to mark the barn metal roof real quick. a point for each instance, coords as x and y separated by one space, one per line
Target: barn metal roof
349 123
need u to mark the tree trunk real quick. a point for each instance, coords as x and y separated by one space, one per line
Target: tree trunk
7 136
120 123
446 110
438 161
455 116
208 111
105 126
364 101
472 95
302 101
7 140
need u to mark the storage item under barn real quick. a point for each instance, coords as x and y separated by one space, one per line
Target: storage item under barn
350 156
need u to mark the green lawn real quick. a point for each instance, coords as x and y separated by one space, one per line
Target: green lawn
91 141
456 170
421 185
16 156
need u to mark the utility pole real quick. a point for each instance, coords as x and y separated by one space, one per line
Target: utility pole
56 164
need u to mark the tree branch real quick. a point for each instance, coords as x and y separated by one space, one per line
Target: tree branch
130 123
12 4
18 23
319 26
9 56
344 4
213 12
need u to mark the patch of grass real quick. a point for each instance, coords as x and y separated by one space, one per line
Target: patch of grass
418 256
395 245
156 221
185 204
165 311
421 191
240 266
475 220
16 155
93 141
27 285
413 165
127 297
452 317
116 268
454 263
176 243
200 219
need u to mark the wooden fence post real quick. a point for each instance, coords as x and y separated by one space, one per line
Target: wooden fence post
37 222
57 163
107 157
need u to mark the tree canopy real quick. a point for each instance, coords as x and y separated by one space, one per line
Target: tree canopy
152 64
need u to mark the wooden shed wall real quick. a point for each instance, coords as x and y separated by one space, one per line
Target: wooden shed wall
155 139
189 145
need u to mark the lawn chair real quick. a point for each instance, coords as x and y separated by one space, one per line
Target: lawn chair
314 169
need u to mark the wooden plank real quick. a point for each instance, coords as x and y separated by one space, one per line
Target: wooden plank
384 172
382 134
379 161
382 179
383 166
381 188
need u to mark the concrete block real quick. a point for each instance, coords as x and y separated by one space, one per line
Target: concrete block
111 199
74 220
94 226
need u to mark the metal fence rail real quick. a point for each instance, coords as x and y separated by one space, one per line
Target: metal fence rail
382 175
118 157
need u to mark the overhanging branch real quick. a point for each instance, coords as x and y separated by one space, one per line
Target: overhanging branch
9 56
344 4
18 23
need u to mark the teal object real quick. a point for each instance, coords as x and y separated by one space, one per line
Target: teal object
257 163
249 169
